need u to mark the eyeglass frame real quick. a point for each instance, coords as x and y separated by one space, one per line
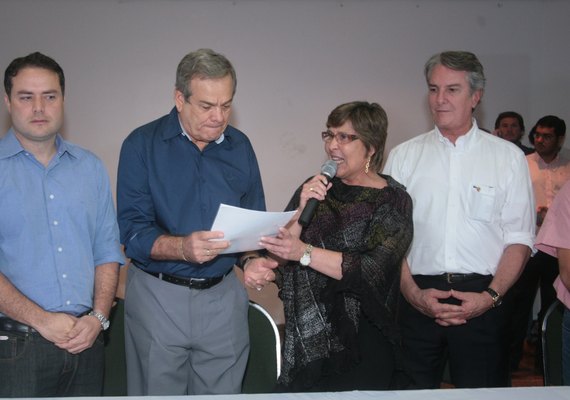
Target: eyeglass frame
545 136
341 137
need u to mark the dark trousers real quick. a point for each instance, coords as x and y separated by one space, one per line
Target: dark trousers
540 271
477 351
31 366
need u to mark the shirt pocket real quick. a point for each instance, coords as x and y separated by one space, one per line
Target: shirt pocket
481 202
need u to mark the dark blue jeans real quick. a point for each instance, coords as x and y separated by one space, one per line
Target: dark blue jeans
31 366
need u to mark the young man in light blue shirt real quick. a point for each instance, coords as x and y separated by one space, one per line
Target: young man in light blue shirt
59 244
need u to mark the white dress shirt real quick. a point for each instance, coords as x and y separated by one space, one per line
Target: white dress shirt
471 200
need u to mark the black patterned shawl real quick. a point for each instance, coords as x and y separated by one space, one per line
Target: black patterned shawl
373 229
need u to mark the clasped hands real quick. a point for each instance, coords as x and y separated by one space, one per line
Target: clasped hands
472 304
70 333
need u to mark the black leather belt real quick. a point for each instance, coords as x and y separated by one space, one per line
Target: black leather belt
192 283
454 278
9 325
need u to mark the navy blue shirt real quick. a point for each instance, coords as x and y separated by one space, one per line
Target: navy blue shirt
166 185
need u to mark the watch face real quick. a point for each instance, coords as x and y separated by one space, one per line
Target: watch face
306 259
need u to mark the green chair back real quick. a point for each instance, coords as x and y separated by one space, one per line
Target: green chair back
264 364
552 344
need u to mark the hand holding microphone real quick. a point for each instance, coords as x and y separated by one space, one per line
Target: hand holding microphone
328 170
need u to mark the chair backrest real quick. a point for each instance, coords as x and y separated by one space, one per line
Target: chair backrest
264 364
552 344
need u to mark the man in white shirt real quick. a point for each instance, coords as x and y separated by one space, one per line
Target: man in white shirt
549 170
473 232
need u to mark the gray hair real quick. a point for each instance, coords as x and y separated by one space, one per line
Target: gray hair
459 61
202 64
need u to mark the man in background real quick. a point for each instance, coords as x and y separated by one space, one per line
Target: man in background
549 170
473 231
509 125
59 247
185 309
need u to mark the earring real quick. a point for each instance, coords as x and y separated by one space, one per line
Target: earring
367 165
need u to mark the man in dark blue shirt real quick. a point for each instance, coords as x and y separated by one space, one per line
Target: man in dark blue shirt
186 311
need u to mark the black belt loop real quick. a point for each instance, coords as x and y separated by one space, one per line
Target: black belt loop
191 283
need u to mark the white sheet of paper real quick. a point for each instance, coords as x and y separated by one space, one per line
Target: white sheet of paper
243 227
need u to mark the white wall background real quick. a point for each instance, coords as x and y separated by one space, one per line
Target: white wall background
295 61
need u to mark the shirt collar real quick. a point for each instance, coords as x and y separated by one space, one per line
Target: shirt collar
464 141
64 147
10 146
187 136
555 161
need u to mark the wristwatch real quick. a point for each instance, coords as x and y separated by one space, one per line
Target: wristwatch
497 298
104 321
306 259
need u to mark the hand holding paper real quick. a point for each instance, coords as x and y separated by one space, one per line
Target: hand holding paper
243 228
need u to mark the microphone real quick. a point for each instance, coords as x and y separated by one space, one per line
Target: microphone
329 171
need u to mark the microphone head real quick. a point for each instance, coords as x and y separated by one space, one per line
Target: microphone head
329 169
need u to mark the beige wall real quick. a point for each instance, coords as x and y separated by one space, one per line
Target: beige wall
295 61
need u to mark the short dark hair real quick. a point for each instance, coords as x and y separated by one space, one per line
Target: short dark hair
203 63
509 114
459 61
33 60
369 120
549 121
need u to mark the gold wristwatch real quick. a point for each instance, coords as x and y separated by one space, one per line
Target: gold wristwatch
497 298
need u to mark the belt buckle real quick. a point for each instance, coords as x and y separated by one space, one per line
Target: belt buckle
448 277
196 283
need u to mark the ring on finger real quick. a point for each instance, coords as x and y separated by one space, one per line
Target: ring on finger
311 189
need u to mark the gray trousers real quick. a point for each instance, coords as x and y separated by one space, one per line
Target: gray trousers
182 341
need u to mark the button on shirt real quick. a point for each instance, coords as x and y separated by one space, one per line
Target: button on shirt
471 200
56 224
166 185
547 179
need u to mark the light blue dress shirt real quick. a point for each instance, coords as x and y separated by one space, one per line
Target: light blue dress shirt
56 224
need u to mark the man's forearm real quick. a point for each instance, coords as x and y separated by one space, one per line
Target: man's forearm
510 267
167 247
17 306
106 281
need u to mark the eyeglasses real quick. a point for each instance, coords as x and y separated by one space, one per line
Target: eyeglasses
544 136
341 137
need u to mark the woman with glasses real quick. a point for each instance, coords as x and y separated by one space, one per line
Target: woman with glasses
339 275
